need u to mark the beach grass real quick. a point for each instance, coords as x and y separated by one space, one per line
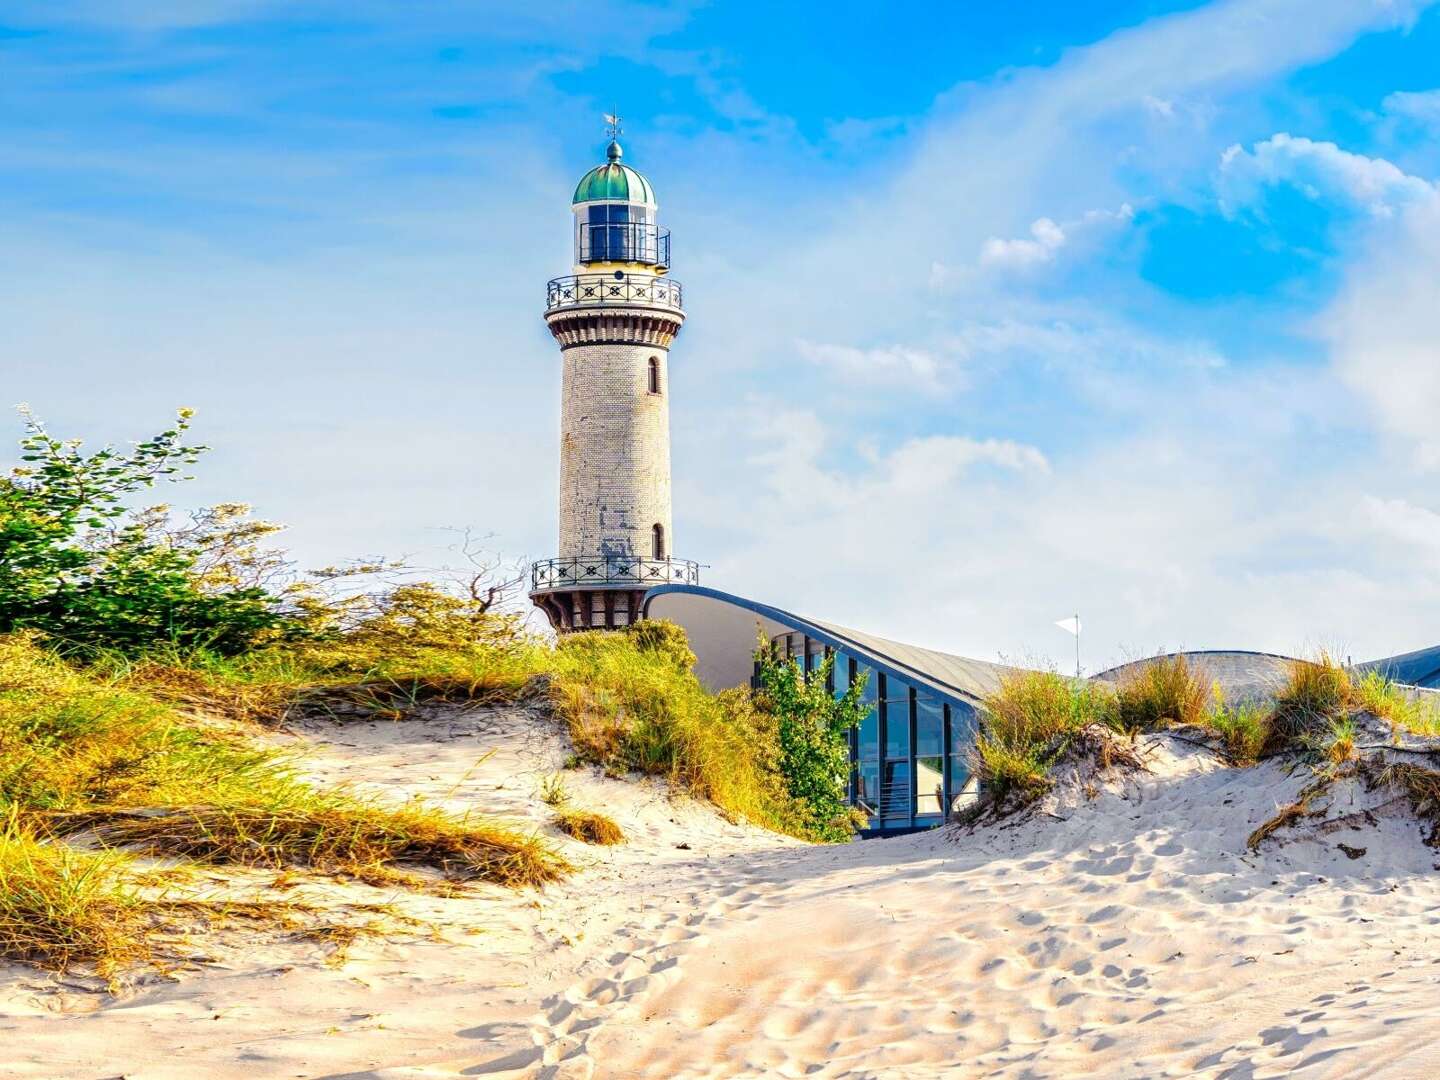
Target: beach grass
60 907
1025 726
1159 693
589 826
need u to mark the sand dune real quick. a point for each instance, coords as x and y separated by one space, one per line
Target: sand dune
1131 934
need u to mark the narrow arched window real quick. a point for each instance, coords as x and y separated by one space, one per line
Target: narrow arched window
657 541
655 379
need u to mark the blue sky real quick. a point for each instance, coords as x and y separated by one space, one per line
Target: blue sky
994 314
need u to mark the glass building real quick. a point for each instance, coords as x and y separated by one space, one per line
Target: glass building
908 757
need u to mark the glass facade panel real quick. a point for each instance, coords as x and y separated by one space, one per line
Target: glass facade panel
840 674
871 693
895 795
929 784
962 728
867 748
897 719
929 725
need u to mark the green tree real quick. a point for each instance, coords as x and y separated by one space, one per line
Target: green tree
814 727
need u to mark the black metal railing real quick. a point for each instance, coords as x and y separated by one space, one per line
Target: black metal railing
583 290
599 570
632 241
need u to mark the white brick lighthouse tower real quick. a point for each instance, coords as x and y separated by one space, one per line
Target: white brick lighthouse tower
614 319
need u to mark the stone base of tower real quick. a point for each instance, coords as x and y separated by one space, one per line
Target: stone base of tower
590 609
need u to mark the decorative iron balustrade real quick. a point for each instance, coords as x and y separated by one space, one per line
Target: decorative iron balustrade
627 241
599 571
619 288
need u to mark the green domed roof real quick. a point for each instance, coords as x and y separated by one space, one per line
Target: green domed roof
614 181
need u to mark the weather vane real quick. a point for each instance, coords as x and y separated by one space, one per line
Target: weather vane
612 122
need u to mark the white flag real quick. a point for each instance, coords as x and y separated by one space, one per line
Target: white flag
1071 624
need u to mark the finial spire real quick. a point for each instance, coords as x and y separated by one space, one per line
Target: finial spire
613 129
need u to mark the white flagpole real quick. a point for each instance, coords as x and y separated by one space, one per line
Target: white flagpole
1077 645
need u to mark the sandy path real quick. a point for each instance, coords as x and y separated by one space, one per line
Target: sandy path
1136 939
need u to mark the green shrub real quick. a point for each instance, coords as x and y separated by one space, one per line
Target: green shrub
1161 692
79 564
814 733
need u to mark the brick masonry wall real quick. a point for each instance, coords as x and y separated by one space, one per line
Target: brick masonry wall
614 451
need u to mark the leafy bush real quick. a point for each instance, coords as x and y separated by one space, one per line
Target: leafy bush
814 731
1161 692
76 563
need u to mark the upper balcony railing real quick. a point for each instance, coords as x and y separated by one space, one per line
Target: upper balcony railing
600 571
634 241
620 289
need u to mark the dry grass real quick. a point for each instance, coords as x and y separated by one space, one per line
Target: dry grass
332 832
632 705
1316 693
1420 785
60 907
1159 693
589 827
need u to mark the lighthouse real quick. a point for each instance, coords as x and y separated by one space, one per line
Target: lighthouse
614 317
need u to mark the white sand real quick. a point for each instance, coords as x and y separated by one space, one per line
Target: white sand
1128 935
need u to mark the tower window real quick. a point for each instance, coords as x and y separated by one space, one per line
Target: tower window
657 540
654 375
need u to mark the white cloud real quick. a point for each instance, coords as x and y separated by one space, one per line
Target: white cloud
1319 169
1384 330
1404 522
930 465
908 365
1047 238
1422 106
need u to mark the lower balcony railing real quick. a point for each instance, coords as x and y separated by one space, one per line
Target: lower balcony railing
618 288
599 571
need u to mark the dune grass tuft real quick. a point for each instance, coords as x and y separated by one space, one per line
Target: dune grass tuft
1025 727
60 907
1243 727
1161 692
1405 709
1316 693
589 826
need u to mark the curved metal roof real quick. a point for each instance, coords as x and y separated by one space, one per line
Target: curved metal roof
1239 673
961 677
1418 668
